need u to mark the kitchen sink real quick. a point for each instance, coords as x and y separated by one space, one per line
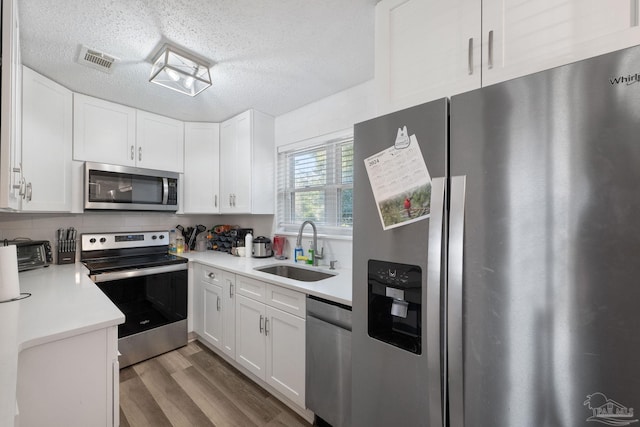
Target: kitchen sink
295 273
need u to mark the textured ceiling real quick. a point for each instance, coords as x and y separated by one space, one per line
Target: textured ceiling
271 55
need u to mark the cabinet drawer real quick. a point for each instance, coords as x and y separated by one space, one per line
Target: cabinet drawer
292 302
211 275
251 288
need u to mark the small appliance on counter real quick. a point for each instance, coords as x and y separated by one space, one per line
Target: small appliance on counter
31 253
261 247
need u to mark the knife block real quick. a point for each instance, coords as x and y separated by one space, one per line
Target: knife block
66 252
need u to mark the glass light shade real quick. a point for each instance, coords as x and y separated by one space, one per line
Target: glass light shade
180 72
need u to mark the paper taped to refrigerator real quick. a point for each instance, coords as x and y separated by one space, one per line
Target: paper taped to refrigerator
401 184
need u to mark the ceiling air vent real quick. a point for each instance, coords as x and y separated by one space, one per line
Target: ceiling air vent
95 59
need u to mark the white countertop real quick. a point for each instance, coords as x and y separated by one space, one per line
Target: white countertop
64 302
336 289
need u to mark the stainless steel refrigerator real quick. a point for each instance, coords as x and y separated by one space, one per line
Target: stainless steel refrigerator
529 260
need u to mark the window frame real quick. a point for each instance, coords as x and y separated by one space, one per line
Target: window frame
333 188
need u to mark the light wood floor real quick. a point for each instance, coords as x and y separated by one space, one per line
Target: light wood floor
192 386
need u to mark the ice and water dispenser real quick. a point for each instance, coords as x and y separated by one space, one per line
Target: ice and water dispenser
395 304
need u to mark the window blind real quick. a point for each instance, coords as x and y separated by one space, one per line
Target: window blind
316 183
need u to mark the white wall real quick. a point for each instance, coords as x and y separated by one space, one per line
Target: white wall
329 115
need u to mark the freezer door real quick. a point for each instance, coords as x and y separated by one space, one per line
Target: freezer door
397 371
544 329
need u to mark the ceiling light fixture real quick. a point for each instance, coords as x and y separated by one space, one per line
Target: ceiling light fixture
180 71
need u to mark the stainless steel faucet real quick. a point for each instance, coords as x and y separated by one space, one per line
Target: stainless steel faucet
316 255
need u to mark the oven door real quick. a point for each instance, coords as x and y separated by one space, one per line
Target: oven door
149 298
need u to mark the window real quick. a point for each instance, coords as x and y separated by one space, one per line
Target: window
316 183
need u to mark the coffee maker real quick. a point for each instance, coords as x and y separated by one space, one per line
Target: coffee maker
237 236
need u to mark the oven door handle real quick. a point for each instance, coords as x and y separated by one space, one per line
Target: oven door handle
119 275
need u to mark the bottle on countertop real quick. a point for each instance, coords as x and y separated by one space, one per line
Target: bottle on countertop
173 249
248 245
298 252
310 255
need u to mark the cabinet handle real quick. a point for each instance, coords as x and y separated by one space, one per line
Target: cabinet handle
261 327
29 192
218 304
132 153
234 200
231 290
139 154
215 201
230 204
16 170
266 326
470 56
212 275
23 187
634 13
490 55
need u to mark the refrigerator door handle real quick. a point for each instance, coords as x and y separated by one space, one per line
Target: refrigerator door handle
455 350
434 286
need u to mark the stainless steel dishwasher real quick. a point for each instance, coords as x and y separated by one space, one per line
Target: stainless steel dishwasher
328 386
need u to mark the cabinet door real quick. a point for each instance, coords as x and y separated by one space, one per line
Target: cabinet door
228 163
286 354
11 182
527 37
229 314
201 168
213 321
103 131
46 144
250 338
70 382
244 168
160 142
235 164
426 50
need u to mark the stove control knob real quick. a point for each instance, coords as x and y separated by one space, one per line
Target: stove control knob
154 237
102 240
161 236
92 240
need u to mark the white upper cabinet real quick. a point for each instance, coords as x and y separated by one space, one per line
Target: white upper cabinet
103 131
525 37
107 132
12 185
426 50
160 142
201 166
247 164
46 144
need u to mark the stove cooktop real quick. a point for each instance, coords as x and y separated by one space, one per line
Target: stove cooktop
102 265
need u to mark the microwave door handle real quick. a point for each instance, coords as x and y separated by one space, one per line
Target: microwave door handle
165 191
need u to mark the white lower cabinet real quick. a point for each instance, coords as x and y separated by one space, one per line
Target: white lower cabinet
214 307
271 345
251 340
70 382
258 325
285 364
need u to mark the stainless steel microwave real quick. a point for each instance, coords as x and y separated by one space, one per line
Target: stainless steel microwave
114 187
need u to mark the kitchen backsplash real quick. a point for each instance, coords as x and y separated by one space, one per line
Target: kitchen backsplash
44 227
